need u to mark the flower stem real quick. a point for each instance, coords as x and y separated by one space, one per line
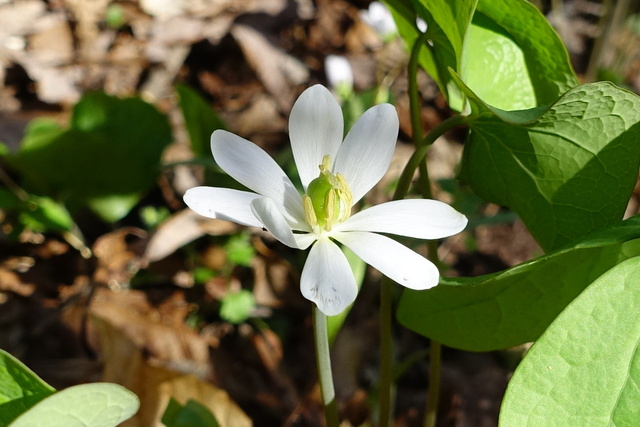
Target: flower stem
323 360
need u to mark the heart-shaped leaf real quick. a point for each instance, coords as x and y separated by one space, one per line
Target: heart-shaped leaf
86 405
490 44
515 306
20 388
505 65
566 171
585 369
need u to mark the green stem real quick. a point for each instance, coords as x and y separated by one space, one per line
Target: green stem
414 95
433 393
323 359
386 354
417 161
414 110
419 155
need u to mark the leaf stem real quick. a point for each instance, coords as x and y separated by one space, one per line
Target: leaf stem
419 155
417 161
433 392
323 360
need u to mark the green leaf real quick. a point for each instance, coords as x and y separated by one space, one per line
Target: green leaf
512 58
515 306
490 44
20 388
107 158
585 369
236 307
192 414
566 171
199 119
89 405
447 23
239 249
452 16
44 214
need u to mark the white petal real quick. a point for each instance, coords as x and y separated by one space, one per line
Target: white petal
252 167
392 259
327 279
316 129
268 213
223 203
419 218
366 152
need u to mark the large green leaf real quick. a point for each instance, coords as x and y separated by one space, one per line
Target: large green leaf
566 171
512 58
86 405
515 306
585 369
490 44
20 388
106 159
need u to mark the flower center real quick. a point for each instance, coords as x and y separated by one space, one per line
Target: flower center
328 198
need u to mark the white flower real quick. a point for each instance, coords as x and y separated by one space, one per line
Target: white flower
421 24
380 19
335 176
339 72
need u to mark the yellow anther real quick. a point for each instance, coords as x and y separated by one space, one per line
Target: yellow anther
328 198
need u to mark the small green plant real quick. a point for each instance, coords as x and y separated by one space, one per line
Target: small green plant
26 400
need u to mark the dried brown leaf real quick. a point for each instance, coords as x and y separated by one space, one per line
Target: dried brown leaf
278 71
182 228
124 363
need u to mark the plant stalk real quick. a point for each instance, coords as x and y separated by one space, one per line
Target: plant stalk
417 161
323 360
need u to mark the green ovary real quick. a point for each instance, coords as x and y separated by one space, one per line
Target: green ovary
328 198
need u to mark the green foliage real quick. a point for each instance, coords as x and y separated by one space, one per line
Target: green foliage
239 249
20 388
153 216
26 400
565 158
236 307
202 274
515 306
86 405
191 414
35 213
200 120
512 58
505 50
566 171
105 159
585 369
